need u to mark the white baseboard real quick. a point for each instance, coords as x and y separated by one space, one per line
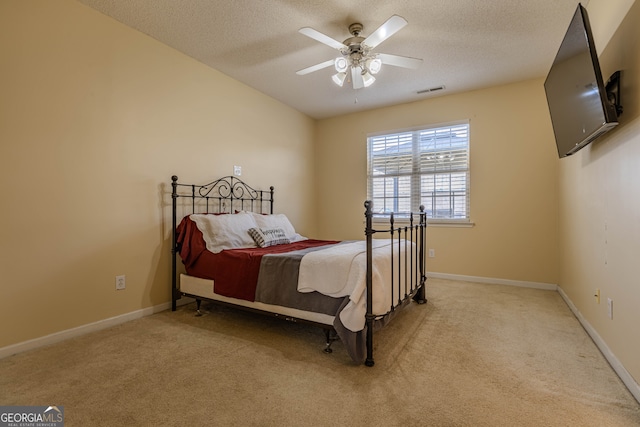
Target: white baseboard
56 337
624 375
491 280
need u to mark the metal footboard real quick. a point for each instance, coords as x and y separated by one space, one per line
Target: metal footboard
408 276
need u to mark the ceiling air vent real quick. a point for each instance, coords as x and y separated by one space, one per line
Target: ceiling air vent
433 89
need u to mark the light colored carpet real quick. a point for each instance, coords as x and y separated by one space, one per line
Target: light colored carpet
475 355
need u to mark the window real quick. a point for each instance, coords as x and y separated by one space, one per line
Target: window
428 166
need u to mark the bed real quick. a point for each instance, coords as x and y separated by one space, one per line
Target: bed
236 251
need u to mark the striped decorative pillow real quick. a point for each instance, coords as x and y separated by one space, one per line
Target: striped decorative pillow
265 237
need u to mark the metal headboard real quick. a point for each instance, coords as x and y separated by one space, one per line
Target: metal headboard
220 195
217 196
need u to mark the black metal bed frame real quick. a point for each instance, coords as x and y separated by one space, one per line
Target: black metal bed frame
220 196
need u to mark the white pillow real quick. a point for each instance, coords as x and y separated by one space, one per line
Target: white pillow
278 221
228 231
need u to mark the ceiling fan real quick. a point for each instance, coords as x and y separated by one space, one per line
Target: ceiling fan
357 60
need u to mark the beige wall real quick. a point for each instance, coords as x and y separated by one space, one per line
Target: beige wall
600 199
94 120
514 199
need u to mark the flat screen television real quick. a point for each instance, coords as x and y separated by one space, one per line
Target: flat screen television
578 100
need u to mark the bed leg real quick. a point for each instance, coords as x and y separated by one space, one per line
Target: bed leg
369 359
332 336
198 303
420 296
369 334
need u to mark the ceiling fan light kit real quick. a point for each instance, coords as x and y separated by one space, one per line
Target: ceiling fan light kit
374 65
357 60
341 64
339 78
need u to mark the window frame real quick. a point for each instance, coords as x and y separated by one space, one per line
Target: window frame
416 175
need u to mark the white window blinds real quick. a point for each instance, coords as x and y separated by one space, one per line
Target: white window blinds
429 167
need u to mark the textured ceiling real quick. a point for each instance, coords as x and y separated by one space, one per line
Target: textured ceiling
465 44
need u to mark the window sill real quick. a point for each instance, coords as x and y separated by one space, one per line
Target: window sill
452 224
430 223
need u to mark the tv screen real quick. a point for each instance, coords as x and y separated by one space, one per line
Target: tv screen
578 103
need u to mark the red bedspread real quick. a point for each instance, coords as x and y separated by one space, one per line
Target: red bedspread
235 271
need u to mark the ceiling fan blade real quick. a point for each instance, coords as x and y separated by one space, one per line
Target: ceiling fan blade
399 61
322 38
386 30
356 78
316 67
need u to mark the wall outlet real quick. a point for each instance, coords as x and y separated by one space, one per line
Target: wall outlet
237 170
432 253
120 283
610 307
597 295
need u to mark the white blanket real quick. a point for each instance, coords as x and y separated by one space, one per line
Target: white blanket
341 271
